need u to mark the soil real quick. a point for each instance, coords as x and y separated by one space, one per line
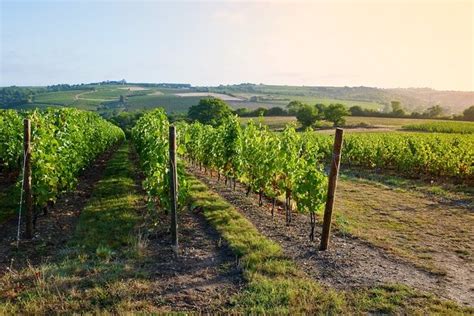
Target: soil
205 273
349 263
203 276
52 230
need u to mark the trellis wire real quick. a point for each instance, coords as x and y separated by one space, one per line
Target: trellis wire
21 200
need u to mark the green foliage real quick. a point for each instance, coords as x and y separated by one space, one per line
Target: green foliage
411 154
11 139
151 138
126 120
209 111
468 113
335 113
443 127
434 111
321 110
13 97
307 115
294 106
64 142
267 162
274 111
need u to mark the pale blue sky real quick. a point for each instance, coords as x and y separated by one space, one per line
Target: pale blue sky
401 43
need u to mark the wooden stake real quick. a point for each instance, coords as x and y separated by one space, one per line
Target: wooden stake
173 188
335 162
27 178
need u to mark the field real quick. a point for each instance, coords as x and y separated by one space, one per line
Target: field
250 205
106 98
269 100
442 127
372 124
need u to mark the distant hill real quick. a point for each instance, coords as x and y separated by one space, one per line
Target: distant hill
412 99
112 96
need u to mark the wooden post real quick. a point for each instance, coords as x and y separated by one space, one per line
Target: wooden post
173 188
27 178
335 162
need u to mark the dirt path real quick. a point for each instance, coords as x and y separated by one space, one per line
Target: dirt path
78 97
54 229
204 276
350 263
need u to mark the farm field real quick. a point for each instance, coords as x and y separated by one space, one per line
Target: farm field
104 245
221 96
372 124
268 100
442 127
174 100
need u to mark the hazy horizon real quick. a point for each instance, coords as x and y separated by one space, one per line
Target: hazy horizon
384 44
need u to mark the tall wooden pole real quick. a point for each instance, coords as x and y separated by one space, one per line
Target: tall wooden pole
173 188
335 162
27 178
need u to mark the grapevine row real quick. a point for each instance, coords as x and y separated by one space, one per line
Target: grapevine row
150 136
268 163
64 142
410 154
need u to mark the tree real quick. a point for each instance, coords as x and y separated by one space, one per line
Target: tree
242 112
276 111
210 111
307 115
356 110
260 111
434 111
397 108
335 113
293 107
321 110
468 113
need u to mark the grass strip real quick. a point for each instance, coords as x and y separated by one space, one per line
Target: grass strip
276 285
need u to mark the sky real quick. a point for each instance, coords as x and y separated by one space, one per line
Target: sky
387 44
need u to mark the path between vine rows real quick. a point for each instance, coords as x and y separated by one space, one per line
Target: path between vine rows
203 278
349 263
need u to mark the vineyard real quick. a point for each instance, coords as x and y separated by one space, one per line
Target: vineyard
65 142
442 127
249 209
413 154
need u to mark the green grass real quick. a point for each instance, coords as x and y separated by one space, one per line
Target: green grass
58 98
113 93
63 98
442 127
170 103
276 286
